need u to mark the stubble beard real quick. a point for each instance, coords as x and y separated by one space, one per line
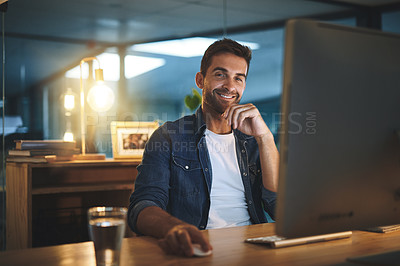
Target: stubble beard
214 104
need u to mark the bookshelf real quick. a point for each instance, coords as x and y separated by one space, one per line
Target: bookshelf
46 203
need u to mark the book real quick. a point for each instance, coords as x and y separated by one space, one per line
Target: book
38 159
31 159
44 145
58 152
384 229
30 152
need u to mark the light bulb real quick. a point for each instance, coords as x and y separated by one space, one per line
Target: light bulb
68 136
100 97
69 100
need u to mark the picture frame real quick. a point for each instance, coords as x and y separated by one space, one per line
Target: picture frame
129 138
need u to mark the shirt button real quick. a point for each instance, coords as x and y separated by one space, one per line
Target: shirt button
243 151
250 202
202 227
186 167
245 174
206 169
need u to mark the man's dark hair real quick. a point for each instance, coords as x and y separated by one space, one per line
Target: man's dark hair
224 46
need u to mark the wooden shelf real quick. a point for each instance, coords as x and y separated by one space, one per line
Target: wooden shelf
39 195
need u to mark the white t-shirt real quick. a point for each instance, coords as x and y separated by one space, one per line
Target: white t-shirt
228 203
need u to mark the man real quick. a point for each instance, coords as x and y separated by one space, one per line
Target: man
214 169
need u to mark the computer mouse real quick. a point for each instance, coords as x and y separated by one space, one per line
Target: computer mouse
197 251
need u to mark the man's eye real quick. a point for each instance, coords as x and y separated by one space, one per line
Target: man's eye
239 79
219 75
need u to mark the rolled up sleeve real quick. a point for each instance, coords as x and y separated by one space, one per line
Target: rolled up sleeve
134 213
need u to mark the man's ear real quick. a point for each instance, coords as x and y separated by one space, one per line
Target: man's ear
199 80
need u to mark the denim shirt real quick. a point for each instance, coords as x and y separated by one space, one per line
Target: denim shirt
176 175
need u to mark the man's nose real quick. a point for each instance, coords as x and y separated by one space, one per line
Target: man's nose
230 85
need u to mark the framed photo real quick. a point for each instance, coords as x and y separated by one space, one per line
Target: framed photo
129 138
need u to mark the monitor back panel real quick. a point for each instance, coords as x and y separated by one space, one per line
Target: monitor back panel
340 152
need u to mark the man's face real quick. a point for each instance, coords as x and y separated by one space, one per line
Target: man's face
224 82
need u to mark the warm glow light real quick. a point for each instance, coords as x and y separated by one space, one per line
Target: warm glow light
69 101
68 136
100 97
188 47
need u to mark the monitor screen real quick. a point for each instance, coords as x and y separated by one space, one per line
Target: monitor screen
339 138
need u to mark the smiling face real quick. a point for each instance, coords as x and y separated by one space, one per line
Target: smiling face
224 82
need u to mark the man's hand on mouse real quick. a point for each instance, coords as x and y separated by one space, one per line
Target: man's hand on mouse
179 239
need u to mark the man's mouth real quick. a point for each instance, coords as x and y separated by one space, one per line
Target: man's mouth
226 96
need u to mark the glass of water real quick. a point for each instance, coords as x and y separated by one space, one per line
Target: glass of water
107 229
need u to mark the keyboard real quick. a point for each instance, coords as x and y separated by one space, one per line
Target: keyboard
279 242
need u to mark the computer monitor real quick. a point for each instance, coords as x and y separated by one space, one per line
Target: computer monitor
339 138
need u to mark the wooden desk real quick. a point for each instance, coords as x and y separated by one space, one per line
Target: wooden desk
46 204
229 249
